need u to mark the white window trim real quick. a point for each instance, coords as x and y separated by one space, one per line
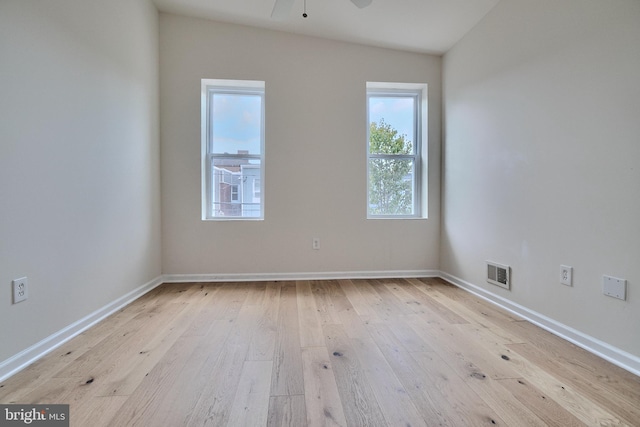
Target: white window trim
246 86
421 144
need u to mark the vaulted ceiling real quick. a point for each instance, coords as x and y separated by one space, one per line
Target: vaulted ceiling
428 26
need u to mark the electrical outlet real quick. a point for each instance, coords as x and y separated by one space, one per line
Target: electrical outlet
20 290
316 243
566 275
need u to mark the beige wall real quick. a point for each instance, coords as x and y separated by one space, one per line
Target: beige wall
315 154
542 143
79 160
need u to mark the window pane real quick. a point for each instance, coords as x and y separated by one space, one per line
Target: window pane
233 184
236 123
391 124
391 186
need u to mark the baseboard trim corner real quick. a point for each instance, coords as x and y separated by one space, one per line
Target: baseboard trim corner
593 345
26 357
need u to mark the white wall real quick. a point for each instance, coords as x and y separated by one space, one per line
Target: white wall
79 159
541 158
315 154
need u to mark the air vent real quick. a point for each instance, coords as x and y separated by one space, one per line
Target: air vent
498 274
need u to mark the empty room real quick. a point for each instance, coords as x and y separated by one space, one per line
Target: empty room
320 212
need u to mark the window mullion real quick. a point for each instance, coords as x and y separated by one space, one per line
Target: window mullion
394 156
236 156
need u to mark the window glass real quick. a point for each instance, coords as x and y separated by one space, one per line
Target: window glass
233 137
394 151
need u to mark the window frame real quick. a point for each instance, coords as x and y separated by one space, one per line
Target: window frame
418 92
219 86
235 193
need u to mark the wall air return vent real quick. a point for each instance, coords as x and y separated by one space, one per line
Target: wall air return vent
498 274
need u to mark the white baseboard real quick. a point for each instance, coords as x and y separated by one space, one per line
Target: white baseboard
23 359
593 345
251 277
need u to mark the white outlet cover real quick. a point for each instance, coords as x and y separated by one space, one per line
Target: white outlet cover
20 290
614 287
566 275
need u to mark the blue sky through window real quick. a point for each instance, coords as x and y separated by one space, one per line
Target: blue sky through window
396 111
236 123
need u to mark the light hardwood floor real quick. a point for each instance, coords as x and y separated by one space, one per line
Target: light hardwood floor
402 352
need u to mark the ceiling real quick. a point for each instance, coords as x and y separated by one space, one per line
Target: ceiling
428 26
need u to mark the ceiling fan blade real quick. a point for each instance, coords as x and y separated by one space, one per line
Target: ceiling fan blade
361 3
281 9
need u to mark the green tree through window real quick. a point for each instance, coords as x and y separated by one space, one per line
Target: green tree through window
390 179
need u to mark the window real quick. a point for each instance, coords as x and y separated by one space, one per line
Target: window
396 125
256 190
232 149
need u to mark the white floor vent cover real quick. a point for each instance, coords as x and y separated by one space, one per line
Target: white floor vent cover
498 274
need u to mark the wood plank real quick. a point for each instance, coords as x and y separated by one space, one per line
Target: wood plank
441 397
402 293
474 317
474 302
251 402
423 295
130 374
452 345
211 303
550 411
216 399
358 400
389 306
130 337
491 332
478 364
287 374
579 363
577 404
263 343
169 393
42 370
496 397
596 390
327 310
580 405
235 295
354 325
310 327
256 293
287 411
337 296
407 336
95 411
49 392
322 401
396 405
369 296
355 297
